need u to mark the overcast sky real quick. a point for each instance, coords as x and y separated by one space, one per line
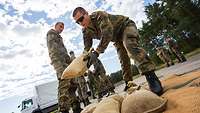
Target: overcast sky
24 60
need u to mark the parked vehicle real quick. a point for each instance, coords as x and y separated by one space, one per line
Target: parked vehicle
44 99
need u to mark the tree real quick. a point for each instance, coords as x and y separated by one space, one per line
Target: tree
172 18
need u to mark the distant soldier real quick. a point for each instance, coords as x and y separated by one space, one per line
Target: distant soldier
95 83
100 72
92 83
163 54
82 85
173 46
82 89
122 31
60 60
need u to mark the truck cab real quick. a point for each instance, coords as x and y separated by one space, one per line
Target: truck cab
28 105
44 99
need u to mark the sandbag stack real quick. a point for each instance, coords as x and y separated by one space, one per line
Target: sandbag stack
140 101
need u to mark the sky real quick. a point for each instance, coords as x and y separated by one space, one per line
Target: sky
24 60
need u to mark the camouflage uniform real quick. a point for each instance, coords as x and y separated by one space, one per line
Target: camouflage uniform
173 46
60 60
105 83
123 32
163 54
95 83
83 89
92 83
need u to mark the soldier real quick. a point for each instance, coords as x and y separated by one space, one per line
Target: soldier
60 60
111 86
123 32
100 72
91 83
82 85
95 84
83 90
163 54
173 46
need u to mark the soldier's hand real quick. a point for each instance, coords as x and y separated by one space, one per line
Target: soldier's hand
92 57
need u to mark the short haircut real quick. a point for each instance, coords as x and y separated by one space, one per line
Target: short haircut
59 23
79 9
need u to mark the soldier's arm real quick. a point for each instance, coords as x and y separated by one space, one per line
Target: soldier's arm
106 31
53 47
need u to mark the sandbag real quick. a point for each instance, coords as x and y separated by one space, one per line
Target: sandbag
175 82
111 104
90 108
143 101
76 68
183 100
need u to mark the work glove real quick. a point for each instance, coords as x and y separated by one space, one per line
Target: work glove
92 57
129 84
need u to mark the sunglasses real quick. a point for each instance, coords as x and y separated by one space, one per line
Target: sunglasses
78 21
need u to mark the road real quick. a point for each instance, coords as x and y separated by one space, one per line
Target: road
192 64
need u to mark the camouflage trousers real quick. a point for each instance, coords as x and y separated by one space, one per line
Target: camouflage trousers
128 48
92 89
82 88
66 91
95 84
103 84
106 82
66 95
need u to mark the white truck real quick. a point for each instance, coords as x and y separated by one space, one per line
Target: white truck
44 99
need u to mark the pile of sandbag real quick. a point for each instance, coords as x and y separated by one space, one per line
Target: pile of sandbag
140 101
183 100
143 101
111 104
183 93
176 81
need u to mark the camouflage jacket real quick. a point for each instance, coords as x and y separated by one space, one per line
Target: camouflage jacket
104 27
56 48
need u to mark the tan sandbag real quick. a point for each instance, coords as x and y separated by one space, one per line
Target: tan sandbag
111 104
90 108
175 82
77 68
143 101
117 97
183 100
